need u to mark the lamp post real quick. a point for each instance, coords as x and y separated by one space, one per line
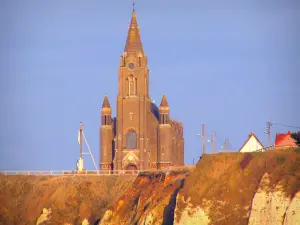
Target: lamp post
212 141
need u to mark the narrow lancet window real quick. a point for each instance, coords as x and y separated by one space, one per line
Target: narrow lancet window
132 84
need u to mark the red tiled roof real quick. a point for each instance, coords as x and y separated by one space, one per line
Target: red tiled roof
281 137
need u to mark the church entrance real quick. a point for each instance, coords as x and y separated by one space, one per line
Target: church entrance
131 169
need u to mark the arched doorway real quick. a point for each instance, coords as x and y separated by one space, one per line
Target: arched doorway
131 169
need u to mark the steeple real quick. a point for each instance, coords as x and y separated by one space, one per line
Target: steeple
105 102
133 42
164 102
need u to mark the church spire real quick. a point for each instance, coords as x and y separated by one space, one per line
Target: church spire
133 42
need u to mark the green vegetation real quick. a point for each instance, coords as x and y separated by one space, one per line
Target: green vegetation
297 150
296 136
280 159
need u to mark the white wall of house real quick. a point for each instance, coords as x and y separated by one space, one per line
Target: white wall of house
251 145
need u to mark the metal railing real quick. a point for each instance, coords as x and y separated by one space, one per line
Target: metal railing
86 172
69 172
264 149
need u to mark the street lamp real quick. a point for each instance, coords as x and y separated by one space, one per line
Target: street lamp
203 142
212 141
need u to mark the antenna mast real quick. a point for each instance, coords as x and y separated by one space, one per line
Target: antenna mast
226 145
80 139
80 166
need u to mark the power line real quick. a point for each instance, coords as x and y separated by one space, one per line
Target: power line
269 132
220 139
283 125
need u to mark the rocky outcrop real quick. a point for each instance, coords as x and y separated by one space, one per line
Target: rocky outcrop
269 206
227 188
44 217
85 222
190 214
292 215
151 200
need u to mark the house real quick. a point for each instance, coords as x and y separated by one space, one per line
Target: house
285 140
252 144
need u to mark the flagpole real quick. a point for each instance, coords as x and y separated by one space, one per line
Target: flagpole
80 138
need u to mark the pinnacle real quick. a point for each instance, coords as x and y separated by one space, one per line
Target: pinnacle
105 102
164 102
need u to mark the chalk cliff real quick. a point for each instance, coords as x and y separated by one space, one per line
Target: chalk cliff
223 188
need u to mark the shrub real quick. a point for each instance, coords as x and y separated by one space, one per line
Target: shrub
280 159
294 167
244 163
297 150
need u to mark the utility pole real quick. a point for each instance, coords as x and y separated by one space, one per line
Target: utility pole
203 139
80 167
213 142
269 133
80 139
226 145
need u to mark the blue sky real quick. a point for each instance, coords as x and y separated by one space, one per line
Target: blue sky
232 65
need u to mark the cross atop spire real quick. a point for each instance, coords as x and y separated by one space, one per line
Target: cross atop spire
133 42
133 3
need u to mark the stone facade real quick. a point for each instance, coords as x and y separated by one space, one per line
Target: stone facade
142 136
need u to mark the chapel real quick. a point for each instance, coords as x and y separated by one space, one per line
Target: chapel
142 135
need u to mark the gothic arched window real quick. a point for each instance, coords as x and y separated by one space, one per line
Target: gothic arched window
132 85
127 86
131 140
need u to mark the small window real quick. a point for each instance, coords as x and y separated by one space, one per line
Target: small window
131 66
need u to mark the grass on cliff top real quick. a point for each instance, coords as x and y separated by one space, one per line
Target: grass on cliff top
71 198
230 180
171 171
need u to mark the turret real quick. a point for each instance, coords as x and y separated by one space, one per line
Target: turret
106 136
164 135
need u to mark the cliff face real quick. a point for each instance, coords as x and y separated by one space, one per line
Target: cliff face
151 200
224 188
251 188
63 199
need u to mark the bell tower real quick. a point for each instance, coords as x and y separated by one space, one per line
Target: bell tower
133 103
164 135
106 136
